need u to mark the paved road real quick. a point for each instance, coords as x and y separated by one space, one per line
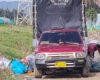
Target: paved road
93 76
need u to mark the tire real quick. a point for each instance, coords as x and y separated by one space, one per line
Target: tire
85 71
37 72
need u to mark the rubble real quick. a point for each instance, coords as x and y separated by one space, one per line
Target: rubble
4 63
30 61
24 66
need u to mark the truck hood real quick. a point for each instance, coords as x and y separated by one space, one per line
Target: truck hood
60 48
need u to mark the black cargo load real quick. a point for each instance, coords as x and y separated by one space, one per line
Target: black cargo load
58 14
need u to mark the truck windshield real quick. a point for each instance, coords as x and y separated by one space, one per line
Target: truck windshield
60 37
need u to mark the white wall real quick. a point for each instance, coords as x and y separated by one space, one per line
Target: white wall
98 19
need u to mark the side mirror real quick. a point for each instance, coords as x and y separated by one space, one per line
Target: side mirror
35 42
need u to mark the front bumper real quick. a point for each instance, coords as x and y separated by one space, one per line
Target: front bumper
71 63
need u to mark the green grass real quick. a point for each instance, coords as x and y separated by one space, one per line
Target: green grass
15 41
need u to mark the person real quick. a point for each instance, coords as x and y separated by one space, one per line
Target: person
92 47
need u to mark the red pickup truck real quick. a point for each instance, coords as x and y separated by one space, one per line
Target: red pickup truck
59 50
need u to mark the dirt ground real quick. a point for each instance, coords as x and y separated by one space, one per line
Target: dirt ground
63 76
95 35
93 76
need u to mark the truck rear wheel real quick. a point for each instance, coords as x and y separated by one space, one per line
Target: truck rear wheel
37 72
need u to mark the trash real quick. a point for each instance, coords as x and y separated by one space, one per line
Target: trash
96 57
94 63
18 67
30 73
4 62
95 67
30 60
93 41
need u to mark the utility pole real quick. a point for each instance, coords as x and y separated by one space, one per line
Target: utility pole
24 13
84 19
35 18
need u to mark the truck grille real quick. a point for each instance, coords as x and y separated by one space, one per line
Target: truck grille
60 56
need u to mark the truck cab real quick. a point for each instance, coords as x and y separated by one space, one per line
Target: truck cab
60 50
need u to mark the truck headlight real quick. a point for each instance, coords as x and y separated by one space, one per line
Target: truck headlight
81 55
40 56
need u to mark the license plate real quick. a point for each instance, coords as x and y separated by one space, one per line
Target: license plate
61 64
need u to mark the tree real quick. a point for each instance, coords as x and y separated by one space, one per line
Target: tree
91 14
14 12
10 14
92 4
1 12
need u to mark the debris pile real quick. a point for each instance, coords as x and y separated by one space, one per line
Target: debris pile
23 66
4 63
18 66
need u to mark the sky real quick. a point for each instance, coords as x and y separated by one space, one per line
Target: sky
8 0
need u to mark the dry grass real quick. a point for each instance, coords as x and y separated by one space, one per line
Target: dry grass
94 34
6 75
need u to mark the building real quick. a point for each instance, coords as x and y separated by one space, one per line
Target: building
98 21
4 20
1 21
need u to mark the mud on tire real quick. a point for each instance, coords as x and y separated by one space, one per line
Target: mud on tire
85 71
37 72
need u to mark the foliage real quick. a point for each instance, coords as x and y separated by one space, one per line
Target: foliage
7 13
91 4
15 42
91 14
10 14
92 9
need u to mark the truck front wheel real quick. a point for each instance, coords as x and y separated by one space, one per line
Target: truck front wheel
85 71
37 72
